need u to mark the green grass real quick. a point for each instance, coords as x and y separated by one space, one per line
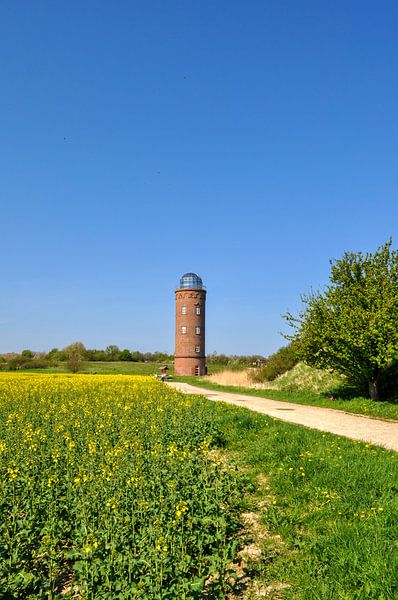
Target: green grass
119 368
333 502
363 406
126 368
111 368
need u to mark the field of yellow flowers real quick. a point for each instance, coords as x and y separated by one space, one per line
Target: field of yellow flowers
107 490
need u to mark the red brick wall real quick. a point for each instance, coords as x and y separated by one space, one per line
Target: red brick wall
186 358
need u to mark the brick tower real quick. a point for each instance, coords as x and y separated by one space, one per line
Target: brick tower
190 356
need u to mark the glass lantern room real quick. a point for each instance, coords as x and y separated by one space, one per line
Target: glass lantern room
191 280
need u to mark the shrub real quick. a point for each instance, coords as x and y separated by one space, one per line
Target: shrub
36 363
283 360
75 363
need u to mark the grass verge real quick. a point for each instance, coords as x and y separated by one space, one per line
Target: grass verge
327 506
362 406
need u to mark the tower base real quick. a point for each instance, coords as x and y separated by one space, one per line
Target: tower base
185 365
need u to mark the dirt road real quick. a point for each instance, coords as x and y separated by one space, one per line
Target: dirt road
356 427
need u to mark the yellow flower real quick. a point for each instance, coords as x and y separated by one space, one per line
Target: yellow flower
181 509
12 473
112 503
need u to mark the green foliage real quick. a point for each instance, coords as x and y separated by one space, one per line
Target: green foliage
53 357
37 362
112 351
17 362
283 360
353 325
52 354
20 362
125 355
233 361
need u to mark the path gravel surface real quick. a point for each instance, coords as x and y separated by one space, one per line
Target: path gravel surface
356 427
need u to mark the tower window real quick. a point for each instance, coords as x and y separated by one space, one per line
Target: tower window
197 330
183 310
198 310
197 349
183 329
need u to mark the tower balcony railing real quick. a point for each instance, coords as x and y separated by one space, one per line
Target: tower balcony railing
190 287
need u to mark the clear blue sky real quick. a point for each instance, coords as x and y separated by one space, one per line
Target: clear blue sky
247 141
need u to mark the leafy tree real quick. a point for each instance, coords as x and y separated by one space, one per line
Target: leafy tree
75 357
96 355
155 356
28 354
112 351
53 357
73 349
125 355
353 325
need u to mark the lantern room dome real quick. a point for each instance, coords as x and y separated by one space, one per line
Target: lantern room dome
191 280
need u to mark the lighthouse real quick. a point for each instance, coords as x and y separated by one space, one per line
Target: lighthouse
190 355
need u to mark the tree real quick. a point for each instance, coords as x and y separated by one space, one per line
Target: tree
112 352
73 349
352 326
125 355
75 357
27 354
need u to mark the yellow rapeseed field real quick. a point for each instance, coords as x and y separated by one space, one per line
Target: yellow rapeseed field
107 490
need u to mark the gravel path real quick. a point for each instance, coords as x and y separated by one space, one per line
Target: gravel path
356 427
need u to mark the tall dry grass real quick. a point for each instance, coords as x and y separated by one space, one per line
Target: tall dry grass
237 378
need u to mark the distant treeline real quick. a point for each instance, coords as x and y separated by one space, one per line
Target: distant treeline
236 361
77 353
28 359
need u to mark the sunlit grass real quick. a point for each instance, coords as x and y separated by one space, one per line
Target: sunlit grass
332 501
